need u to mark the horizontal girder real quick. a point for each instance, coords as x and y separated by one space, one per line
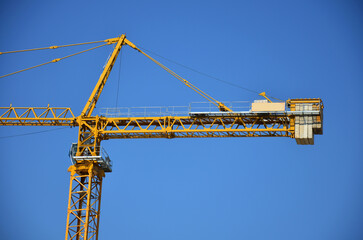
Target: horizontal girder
191 127
36 116
297 123
152 127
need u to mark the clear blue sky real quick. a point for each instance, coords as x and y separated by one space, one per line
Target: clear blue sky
241 188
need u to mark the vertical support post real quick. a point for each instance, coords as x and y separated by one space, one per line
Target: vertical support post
88 141
84 201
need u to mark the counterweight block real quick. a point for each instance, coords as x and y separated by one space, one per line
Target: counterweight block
306 126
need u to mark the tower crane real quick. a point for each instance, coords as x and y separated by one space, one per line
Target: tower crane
296 118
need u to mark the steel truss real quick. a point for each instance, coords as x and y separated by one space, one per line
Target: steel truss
36 116
84 202
184 127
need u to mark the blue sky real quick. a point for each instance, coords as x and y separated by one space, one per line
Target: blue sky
241 188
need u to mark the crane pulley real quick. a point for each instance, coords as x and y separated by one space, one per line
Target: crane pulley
302 121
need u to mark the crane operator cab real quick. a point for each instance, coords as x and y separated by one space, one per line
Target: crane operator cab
104 160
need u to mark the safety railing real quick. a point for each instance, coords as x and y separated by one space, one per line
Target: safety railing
171 110
103 158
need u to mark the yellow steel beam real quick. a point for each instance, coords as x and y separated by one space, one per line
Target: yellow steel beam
36 116
193 127
96 129
92 130
91 103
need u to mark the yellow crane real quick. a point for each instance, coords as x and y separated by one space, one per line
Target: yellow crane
296 118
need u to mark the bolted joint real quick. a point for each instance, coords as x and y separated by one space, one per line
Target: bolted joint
112 40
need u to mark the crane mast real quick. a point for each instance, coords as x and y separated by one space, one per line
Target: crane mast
302 120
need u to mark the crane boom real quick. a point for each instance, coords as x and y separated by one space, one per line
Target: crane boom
202 124
36 116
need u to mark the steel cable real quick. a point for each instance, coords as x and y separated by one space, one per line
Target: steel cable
207 75
53 61
51 47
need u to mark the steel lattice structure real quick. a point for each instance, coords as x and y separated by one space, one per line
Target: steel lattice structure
84 201
304 119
